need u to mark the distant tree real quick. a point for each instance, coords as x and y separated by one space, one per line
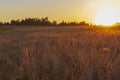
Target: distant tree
73 24
63 23
45 21
15 22
83 23
6 24
1 24
117 24
42 22
54 23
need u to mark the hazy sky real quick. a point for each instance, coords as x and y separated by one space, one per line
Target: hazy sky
69 10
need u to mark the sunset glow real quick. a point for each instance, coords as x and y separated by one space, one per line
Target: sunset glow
104 12
106 16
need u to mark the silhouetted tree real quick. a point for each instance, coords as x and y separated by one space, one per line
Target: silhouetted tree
1 24
42 22
83 23
73 24
6 24
54 23
15 22
63 23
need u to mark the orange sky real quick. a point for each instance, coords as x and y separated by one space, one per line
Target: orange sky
68 10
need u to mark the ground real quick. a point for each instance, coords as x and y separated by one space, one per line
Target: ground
59 53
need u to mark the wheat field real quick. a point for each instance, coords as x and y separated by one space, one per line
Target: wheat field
60 53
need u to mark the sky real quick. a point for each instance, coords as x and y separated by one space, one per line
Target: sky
68 10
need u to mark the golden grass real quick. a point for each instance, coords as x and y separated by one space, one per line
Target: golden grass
60 54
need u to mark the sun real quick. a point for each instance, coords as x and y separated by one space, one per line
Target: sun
106 15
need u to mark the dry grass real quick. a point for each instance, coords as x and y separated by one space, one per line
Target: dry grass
60 54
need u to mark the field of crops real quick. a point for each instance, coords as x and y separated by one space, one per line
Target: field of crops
59 53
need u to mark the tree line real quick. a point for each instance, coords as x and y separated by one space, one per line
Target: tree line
41 22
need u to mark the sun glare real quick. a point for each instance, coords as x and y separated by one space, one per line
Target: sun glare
106 16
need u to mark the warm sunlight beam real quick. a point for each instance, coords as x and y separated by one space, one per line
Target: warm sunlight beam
106 15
